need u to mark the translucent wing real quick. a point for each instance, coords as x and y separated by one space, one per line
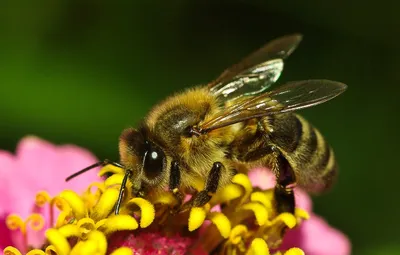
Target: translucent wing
289 97
257 72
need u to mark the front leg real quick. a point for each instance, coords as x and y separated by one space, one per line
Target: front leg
211 186
175 182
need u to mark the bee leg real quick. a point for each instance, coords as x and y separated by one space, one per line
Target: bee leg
285 181
175 181
212 182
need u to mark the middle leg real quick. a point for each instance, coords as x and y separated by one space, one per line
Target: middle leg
201 198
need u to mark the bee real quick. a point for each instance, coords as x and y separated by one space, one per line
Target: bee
197 140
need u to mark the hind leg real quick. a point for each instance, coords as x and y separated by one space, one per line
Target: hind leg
285 182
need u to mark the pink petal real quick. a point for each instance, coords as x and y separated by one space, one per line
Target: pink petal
316 237
40 165
5 233
265 179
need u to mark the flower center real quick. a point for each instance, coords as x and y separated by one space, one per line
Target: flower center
237 220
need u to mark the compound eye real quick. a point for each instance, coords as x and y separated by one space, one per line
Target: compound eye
154 162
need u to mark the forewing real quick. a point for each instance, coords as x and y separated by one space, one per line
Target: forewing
256 72
289 97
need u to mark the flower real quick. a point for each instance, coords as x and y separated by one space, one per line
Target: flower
239 219
37 165
313 236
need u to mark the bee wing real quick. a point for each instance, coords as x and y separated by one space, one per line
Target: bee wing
256 72
289 97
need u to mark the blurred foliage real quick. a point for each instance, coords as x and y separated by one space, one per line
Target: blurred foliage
81 71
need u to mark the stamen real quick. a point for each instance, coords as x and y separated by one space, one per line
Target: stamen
42 198
35 221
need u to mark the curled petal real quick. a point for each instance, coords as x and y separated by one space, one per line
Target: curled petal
123 251
263 197
62 219
105 205
236 234
302 214
69 230
100 223
259 211
118 223
85 247
42 198
113 180
98 185
258 247
110 169
100 239
294 251
221 222
228 193
9 250
50 250
147 209
196 217
75 202
287 218
85 225
244 181
165 198
36 252
59 242
61 204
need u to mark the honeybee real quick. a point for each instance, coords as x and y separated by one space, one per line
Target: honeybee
200 138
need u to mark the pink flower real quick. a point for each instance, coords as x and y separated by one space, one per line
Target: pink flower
314 236
36 166
237 220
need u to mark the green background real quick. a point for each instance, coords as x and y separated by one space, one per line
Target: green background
81 71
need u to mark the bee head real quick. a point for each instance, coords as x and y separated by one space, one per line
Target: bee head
144 158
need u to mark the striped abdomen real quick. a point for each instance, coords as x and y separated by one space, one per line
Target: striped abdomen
309 155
